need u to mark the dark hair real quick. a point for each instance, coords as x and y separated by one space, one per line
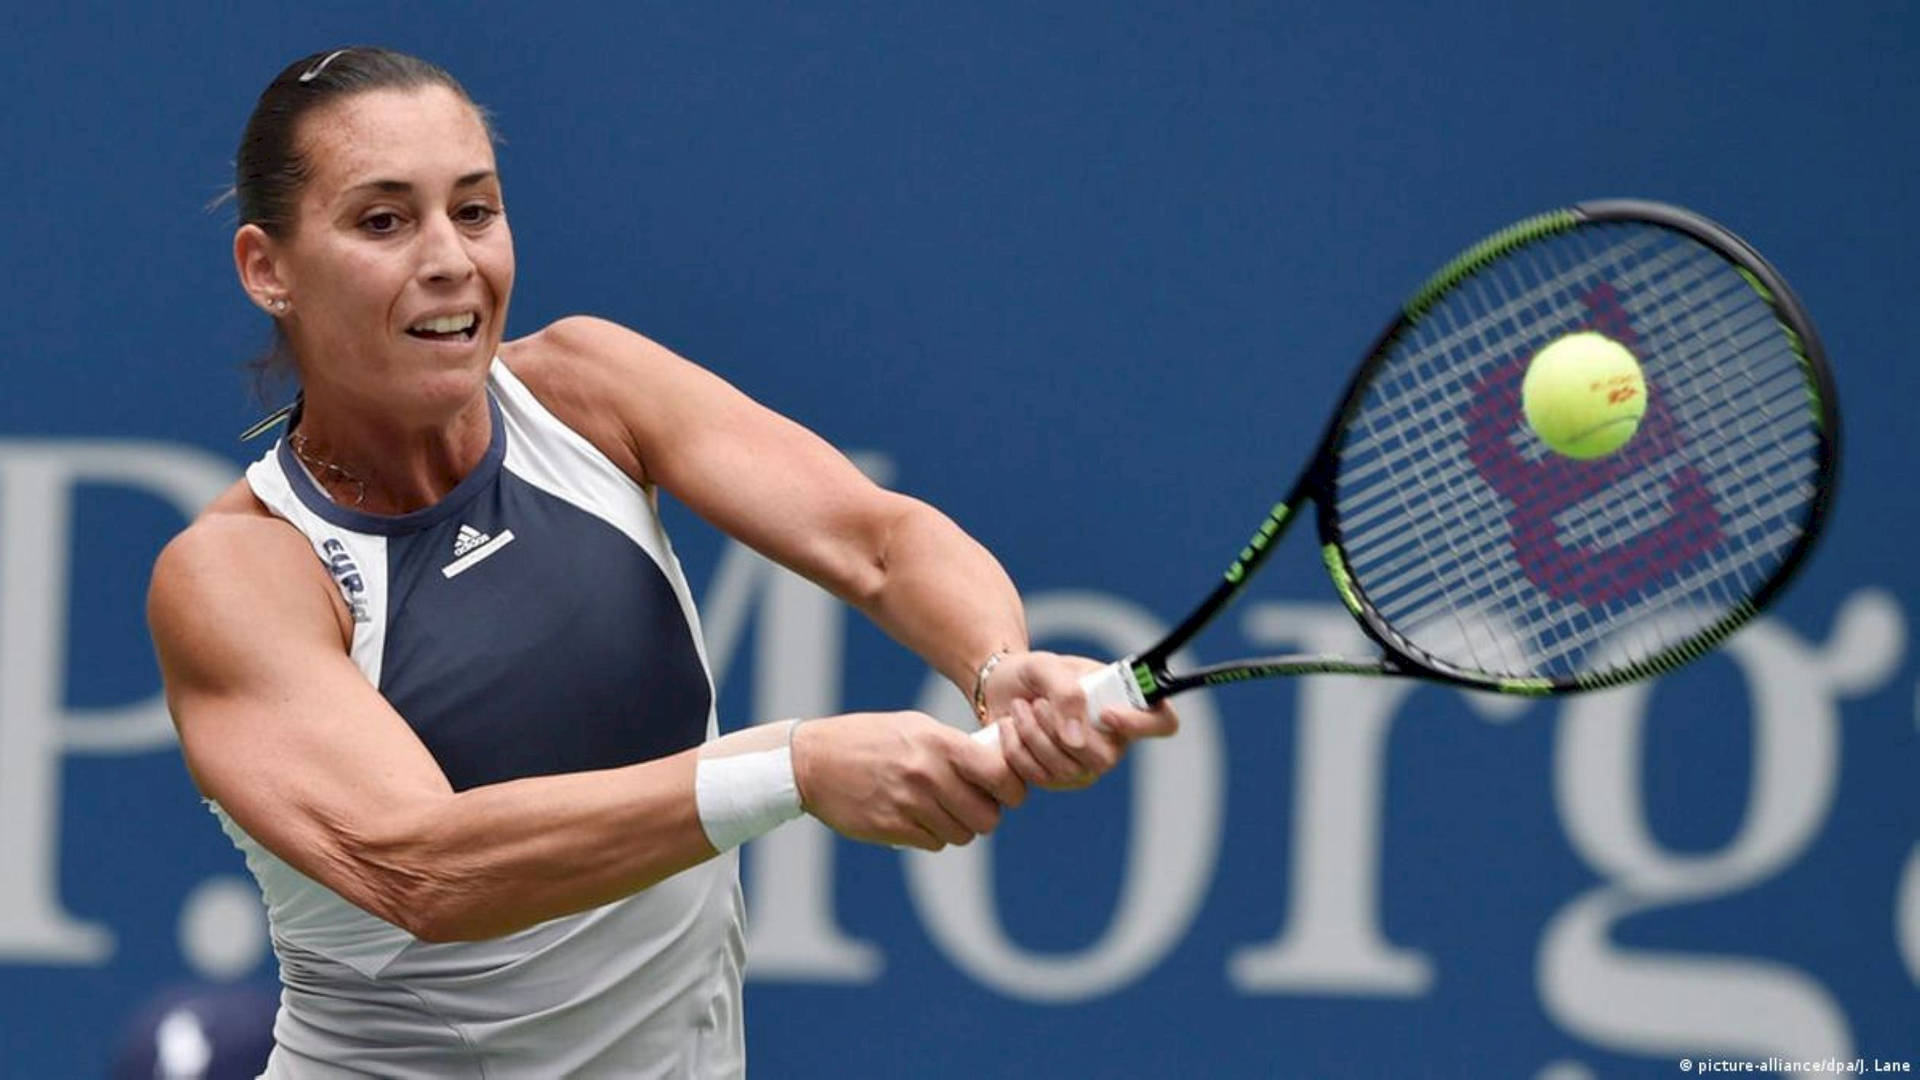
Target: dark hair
269 171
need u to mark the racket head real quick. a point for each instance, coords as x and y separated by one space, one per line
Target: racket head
1473 553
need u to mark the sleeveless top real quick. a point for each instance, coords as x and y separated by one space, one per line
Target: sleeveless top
534 621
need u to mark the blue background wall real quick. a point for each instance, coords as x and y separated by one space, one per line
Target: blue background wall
1027 262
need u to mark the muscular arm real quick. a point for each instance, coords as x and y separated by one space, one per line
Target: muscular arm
772 484
779 488
282 730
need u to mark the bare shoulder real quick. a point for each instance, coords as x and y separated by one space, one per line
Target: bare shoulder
234 530
240 568
579 339
584 354
609 383
757 476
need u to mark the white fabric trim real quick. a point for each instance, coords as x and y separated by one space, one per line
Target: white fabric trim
307 912
368 555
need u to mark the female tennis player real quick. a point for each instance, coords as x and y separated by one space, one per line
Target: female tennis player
436 670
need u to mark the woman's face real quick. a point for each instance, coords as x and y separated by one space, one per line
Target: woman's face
400 263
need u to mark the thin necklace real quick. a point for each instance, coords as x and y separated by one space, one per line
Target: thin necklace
322 465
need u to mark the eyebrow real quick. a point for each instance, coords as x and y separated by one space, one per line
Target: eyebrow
402 187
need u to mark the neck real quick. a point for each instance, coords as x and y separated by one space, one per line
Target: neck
374 460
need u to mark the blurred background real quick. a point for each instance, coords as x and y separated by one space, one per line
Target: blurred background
1089 277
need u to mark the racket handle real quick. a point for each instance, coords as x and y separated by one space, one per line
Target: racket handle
1110 685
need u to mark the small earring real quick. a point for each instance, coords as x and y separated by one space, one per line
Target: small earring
280 305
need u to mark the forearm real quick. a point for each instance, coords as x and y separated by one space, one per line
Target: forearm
502 857
943 595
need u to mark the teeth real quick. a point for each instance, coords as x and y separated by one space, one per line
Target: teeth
445 324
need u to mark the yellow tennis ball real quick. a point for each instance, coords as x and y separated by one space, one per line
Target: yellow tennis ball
1584 395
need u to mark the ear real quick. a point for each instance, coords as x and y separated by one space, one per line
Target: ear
256 258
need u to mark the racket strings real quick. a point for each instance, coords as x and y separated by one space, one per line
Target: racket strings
1784 385
1636 525
1453 340
1440 388
1489 552
1635 516
1732 436
1636 509
1401 497
1743 432
1435 396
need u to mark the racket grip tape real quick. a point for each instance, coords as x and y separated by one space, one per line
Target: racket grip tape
1111 685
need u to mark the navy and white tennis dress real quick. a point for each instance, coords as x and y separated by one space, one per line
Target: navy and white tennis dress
534 621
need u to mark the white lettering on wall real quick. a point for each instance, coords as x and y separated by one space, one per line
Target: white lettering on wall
793 932
1669 1003
1174 838
37 729
1332 941
1632 1000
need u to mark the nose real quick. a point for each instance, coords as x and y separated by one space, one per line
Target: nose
443 252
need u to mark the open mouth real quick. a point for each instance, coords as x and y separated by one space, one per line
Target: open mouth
461 327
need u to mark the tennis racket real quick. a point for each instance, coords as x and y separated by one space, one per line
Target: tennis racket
1471 552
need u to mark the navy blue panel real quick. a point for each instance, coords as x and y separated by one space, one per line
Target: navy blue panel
564 649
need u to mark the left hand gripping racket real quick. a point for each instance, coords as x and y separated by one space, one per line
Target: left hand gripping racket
1474 554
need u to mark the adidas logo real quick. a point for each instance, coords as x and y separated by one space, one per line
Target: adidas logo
468 539
471 545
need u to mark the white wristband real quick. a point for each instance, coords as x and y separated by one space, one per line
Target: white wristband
744 786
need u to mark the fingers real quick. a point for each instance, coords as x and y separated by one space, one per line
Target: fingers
1042 704
1018 757
1039 758
1041 676
964 812
1091 750
990 771
933 819
959 787
908 780
1059 684
901 778
914 835
1129 724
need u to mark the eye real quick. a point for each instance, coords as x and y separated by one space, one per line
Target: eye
381 222
476 214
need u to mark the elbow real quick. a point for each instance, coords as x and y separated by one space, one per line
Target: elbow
407 899
864 584
450 920
427 896
437 930
428 922
438 905
436 916
443 905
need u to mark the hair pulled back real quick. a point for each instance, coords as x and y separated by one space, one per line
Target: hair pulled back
269 170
